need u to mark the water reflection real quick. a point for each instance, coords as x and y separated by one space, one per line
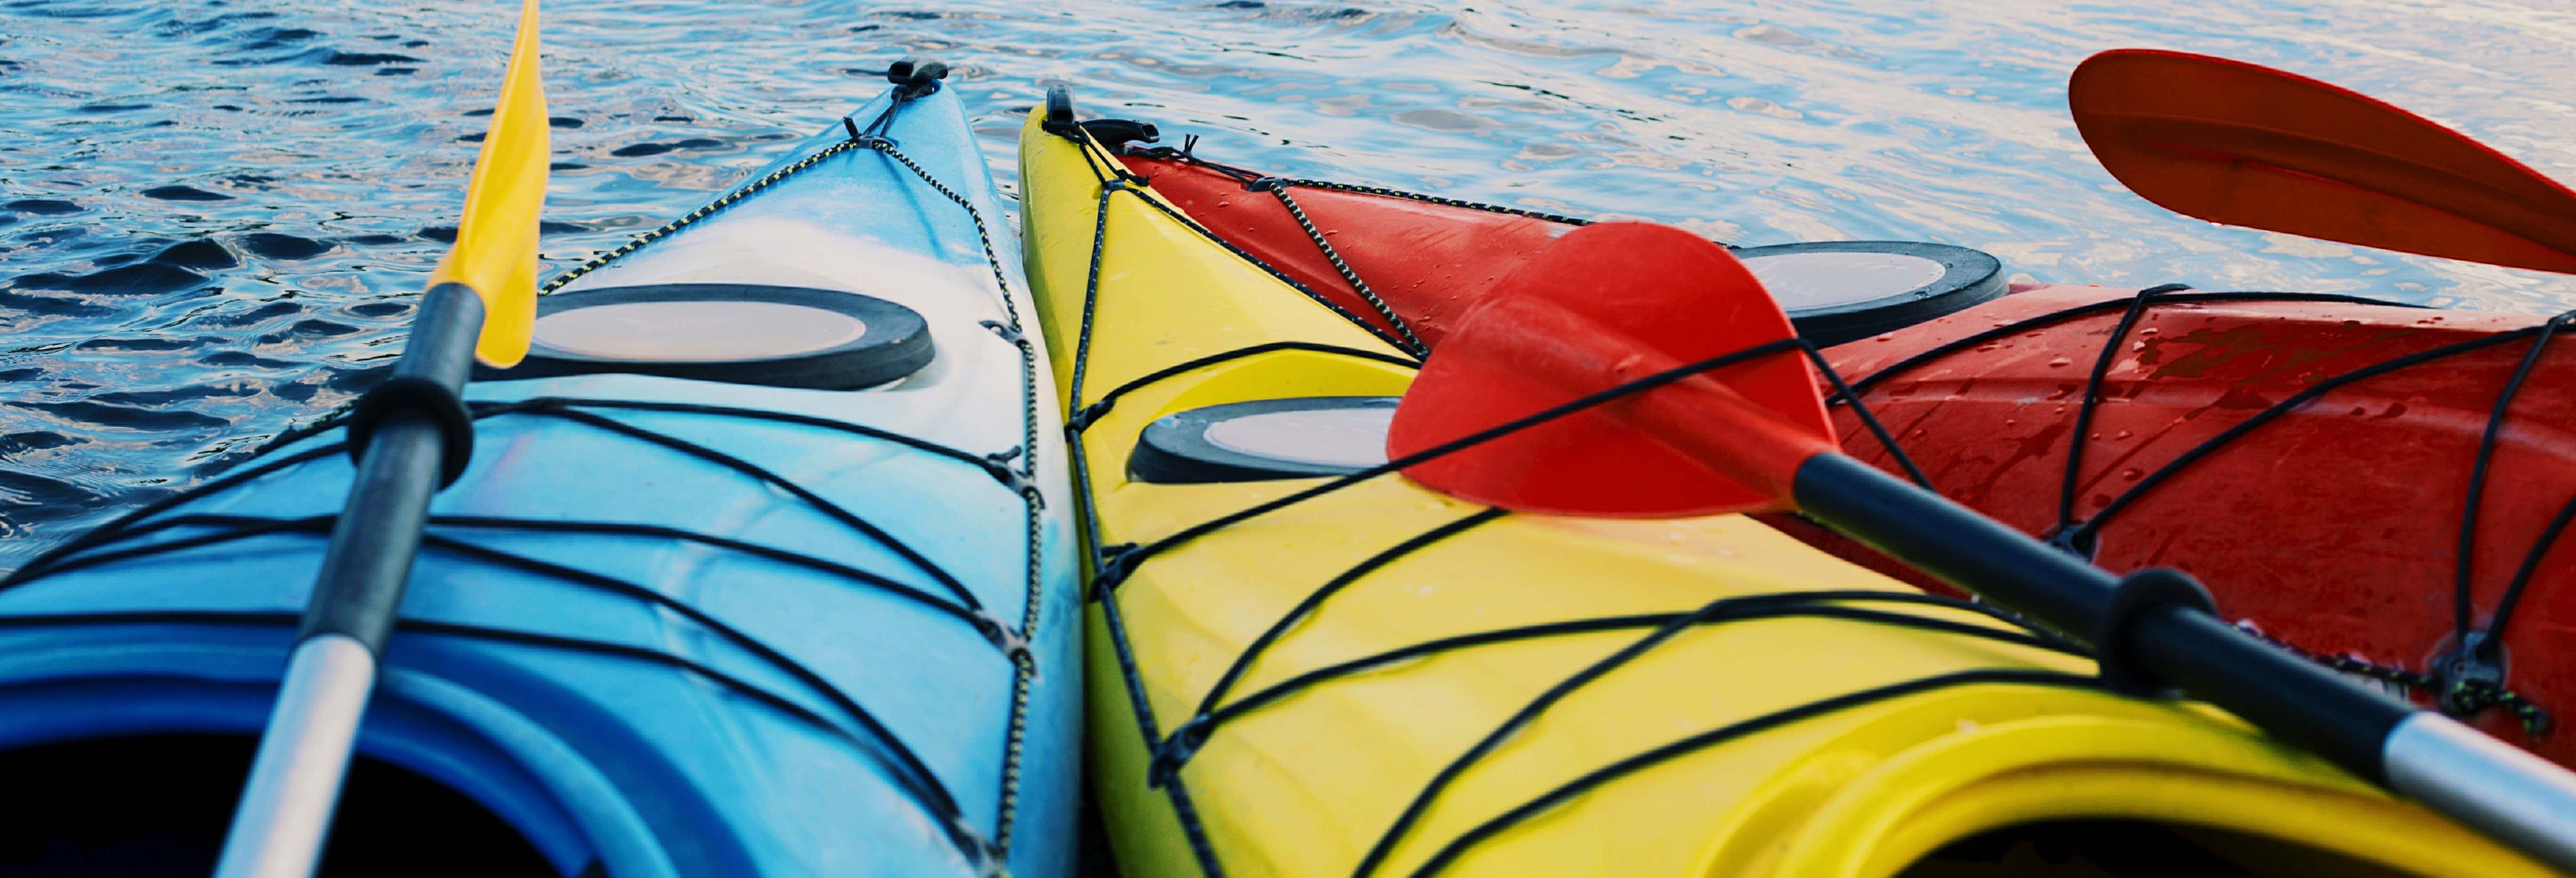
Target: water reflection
213 216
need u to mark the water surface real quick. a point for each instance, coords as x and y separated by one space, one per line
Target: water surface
213 217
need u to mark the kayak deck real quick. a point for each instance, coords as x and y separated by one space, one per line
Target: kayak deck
670 627
2351 433
1355 675
2407 498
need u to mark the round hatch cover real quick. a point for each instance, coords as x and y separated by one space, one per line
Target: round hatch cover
1840 291
735 333
1298 438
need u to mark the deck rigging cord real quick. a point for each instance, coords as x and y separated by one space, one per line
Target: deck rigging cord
915 78
1169 753
1013 468
2463 682
93 549
2466 680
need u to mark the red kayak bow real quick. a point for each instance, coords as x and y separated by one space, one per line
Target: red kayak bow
1406 265
1647 355
2312 459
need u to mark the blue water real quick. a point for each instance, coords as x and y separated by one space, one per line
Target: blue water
215 213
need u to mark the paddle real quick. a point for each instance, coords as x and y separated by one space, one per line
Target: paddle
2245 145
412 436
1659 319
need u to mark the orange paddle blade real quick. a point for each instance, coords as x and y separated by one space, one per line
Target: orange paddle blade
2245 145
1604 305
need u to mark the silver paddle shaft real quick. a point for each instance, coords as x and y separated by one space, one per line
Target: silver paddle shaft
295 780
412 435
2520 799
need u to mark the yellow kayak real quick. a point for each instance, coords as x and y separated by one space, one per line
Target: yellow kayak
1298 671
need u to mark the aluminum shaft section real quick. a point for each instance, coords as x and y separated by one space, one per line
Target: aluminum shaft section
2516 797
2521 799
286 808
411 435
286 805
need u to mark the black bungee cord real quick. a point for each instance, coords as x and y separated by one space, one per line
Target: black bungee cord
1113 563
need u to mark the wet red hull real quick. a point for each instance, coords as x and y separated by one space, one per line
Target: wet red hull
1424 260
2334 527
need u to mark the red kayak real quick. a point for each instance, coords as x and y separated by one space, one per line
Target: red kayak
2312 458
1406 265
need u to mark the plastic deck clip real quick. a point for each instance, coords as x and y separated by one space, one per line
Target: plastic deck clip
1082 418
1175 751
1059 114
915 77
999 465
1118 132
1013 646
2076 539
1113 566
1005 331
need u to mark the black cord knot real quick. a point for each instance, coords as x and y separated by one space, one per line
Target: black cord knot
2140 593
2466 686
1176 750
2469 678
2535 721
1268 184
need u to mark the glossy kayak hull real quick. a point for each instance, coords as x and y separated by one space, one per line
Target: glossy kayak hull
1378 679
674 627
1418 256
2310 460
2336 529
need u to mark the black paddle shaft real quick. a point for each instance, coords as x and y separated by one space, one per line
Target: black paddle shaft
411 435
2154 627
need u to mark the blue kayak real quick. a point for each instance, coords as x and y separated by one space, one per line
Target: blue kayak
759 566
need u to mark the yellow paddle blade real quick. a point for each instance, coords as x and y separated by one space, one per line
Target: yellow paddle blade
496 241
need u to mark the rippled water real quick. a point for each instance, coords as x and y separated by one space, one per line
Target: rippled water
215 215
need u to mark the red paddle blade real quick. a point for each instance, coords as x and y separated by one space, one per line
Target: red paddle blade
2246 145
1601 306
